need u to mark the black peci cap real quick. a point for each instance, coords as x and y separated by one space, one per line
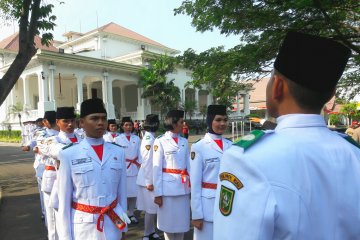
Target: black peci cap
313 62
126 119
90 106
65 113
151 118
111 121
175 113
50 116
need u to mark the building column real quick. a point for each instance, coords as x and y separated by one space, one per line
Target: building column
88 90
246 104
79 86
110 103
238 97
197 99
122 103
209 99
26 92
52 102
140 107
41 107
105 92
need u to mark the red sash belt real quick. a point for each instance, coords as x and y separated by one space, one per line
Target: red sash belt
133 161
102 211
184 173
209 185
50 168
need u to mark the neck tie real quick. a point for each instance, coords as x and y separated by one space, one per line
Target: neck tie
128 138
99 150
176 140
73 140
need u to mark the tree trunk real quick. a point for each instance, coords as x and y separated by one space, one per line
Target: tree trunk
13 73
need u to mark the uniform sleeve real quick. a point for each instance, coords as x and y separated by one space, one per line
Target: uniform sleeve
245 204
196 164
158 155
65 189
147 154
122 186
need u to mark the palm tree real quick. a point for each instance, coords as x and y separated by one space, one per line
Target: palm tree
189 107
16 109
203 111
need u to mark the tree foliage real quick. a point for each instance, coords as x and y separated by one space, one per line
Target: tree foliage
33 16
189 107
261 25
157 88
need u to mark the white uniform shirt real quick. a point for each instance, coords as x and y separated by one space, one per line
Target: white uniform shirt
169 155
205 164
86 179
132 149
108 137
300 182
145 176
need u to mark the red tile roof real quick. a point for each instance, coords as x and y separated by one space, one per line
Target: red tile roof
12 43
116 29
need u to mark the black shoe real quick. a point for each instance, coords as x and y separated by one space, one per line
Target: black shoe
152 236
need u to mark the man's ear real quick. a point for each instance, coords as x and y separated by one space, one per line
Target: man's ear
278 87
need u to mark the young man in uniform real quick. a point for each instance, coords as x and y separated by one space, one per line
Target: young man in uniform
92 182
301 180
112 131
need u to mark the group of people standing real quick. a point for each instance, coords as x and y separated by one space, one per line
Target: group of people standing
286 183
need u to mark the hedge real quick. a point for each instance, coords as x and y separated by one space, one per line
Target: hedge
10 136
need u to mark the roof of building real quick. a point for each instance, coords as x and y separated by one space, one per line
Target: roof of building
12 43
116 29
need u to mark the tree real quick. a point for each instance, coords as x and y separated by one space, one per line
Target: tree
262 24
33 16
16 110
203 111
189 107
157 89
350 111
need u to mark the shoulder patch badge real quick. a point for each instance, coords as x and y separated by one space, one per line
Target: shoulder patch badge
231 178
160 136
248 140
147 138
192 155
148 147
156 147
226 200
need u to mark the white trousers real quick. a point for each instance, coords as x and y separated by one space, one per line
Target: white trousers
50 218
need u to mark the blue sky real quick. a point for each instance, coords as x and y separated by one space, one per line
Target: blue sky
152 18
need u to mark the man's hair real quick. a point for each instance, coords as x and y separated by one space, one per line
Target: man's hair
307 99
169 121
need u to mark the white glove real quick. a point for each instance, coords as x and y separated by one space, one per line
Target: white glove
125 218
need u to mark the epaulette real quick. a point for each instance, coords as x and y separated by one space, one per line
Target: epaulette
160 136
229 139
248 140
117 144
67 146
197 140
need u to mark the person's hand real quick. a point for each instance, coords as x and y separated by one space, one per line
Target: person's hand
25 148
36 150
198 223
150 187
125 218
158 201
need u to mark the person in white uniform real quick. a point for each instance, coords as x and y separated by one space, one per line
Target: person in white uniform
145 198
92 182
131 144
45 127
205 161
112 131
300 180
171 179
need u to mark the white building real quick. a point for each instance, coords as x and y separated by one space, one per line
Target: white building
102 63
